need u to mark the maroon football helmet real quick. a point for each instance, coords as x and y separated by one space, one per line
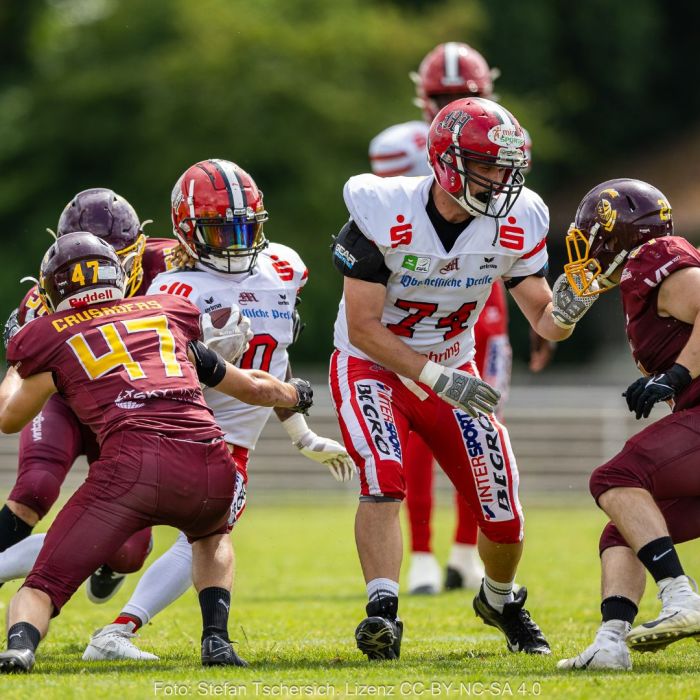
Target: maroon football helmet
110 217
80 269
450 71
613 219
218 216
473 132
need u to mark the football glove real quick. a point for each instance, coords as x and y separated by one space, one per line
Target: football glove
642 394
12 327
568 308
230 341
320 449
460 389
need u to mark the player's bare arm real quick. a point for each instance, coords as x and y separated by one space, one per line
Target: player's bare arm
364 307
21 399
251 386
679 297
534 298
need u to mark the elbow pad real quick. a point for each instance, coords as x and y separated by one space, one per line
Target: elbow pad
356 256
211 367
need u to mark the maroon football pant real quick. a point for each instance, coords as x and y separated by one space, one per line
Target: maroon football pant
662 459
141 479
48 447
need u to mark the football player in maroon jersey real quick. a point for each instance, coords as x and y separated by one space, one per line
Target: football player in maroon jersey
131 371
623 236
51 443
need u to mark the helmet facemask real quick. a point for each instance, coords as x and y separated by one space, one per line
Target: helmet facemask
496 197
231 244
132 260
585 272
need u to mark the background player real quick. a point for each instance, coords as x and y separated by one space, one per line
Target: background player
411 255
51 443
162 456
623 232
450 71
218 215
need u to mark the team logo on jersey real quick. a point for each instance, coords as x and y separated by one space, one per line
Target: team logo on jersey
282 268
402 233
179 289
450 267
247 298
488 264
374 400
416 263
511 236
283 301
483 446
661 273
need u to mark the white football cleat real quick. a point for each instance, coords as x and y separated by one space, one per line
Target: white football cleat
424 576
114 642
608 650
464 568
679 618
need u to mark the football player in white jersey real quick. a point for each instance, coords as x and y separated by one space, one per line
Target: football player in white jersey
419 256
218 217
448 72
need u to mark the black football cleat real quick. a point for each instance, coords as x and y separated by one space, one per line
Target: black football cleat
522 634
453 579
104 584
379 634
217 651
16 661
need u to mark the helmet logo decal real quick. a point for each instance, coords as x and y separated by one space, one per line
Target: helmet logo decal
455 121
665 213
507 136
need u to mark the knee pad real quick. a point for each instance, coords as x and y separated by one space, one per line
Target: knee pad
611 537
38 489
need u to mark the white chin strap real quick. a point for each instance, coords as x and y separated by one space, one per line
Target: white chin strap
465 204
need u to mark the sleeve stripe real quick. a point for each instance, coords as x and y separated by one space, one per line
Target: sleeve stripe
535 250
389 156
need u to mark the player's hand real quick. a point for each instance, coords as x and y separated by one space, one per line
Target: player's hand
305 395
541 351
460 389
12 327
328 452
568 308
230 341
642 394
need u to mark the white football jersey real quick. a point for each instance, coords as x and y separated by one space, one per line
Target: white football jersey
401 149
434 298
267 297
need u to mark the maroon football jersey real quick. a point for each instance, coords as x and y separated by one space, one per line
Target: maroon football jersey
656 341
122 365
156 259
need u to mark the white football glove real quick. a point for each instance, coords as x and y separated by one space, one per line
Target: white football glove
320 449
568 308
460 389
232 340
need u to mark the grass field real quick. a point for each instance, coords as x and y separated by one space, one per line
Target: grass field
299 596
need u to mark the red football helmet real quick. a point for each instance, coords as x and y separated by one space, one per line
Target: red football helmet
218 216
467 135
613 219
450 71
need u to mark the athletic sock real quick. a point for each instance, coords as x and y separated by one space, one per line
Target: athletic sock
22 635
617 607
661 559
215 604
126 618
379 588
497 593
12 528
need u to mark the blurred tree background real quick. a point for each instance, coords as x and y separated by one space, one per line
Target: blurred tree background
126 94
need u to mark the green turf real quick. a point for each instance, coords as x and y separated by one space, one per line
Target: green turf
299 595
